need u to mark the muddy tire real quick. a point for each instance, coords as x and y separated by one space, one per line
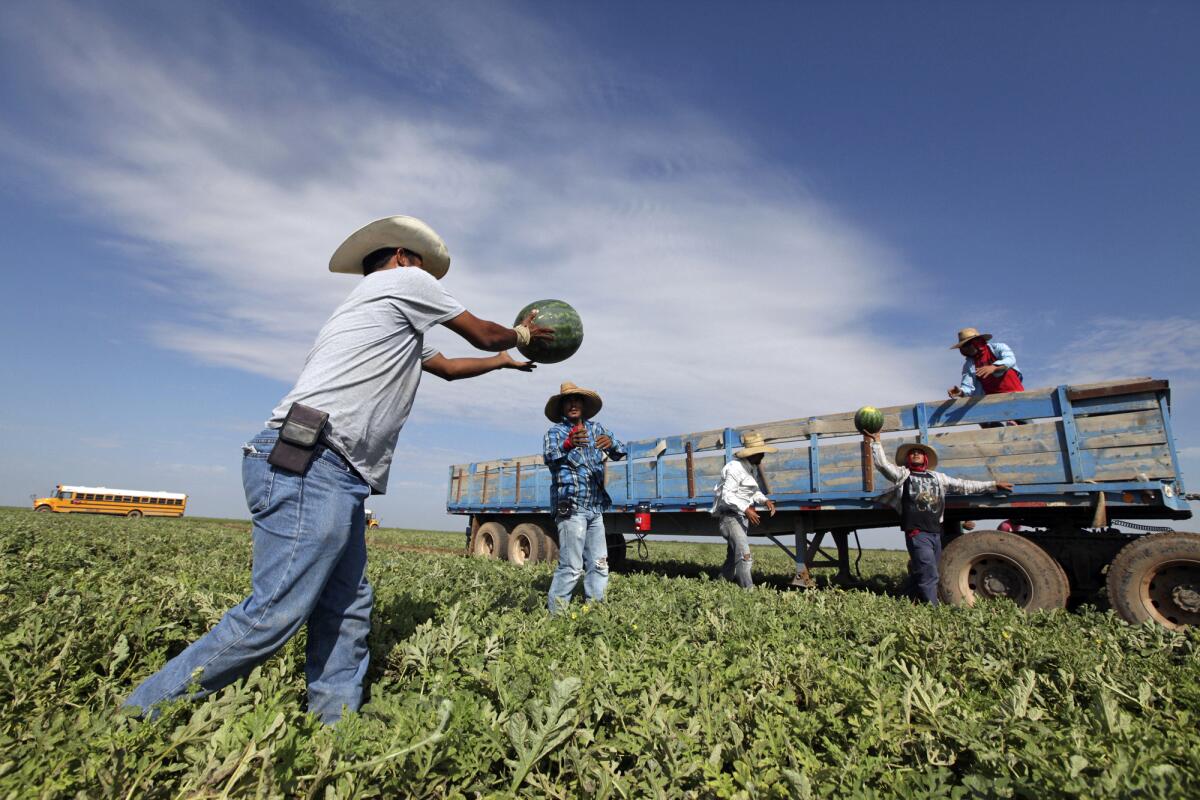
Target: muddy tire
527 544
990 565
134 514
43 509
491 541
618 550
552 547
1157 577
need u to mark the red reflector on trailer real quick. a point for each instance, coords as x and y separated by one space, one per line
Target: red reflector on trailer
641 521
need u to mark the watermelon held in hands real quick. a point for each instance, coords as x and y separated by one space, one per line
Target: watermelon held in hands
868 419
561 318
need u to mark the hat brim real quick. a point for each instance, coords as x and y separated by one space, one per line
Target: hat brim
746 452
591 404
987 337
931 456
399 231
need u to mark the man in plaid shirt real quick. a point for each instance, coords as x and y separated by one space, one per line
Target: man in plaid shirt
575 449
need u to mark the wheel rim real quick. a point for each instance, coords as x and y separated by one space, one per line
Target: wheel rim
489 544
1170 593
522 551
992 576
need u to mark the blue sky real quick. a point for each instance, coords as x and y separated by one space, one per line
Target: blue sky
762 211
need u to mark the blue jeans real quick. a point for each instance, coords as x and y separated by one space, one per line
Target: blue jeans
738 558
310 566
582 552
924 552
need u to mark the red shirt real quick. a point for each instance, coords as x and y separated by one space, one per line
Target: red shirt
997 382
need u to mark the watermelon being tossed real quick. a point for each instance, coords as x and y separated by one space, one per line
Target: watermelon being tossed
868 419
561 318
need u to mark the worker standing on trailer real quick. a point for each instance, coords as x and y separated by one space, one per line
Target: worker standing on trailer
919 496
733 504
575 449
327 446
988 367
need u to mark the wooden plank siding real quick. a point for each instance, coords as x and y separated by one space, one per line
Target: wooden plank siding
1121 437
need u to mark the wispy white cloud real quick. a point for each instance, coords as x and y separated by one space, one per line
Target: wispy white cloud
229 163
1130 347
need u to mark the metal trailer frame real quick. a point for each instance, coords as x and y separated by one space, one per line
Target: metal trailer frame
1082 455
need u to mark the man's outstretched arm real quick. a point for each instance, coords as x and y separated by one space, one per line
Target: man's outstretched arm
453 369
492 336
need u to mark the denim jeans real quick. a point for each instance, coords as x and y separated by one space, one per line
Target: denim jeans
924 552
738 559
582 552
310 566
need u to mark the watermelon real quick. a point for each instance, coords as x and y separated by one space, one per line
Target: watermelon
868 419
561 318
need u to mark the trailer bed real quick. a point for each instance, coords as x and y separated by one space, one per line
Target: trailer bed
1081 448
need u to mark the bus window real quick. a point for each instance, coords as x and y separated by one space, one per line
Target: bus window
108 498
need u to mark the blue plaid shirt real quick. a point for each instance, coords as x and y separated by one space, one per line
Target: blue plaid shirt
578 474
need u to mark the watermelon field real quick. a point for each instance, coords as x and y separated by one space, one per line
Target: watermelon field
679 686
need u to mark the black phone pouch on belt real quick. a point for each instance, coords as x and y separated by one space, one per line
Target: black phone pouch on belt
298 438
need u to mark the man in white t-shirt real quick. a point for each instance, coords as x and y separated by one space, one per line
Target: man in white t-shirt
734 499
310 553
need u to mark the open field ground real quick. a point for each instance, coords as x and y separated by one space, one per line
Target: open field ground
679 686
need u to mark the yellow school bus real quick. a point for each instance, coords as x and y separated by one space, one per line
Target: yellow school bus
102 500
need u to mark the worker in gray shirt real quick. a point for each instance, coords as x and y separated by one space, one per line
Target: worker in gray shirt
327 446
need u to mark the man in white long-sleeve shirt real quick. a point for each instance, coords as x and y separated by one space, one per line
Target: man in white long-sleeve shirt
733 503
919 496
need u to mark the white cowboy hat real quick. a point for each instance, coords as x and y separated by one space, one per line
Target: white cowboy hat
930 455
753 442
967 334
591 402
407 232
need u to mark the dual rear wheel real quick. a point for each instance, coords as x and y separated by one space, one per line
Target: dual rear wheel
1154 577
991 565
1157 578
527 543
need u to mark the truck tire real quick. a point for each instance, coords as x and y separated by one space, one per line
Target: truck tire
1157 577
527 544
618 551
491 541
995 564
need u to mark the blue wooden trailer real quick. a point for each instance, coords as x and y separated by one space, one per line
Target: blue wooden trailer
1082 457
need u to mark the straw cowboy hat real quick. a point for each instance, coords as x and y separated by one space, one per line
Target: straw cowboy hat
407 232
752 443
967 334
591 402
930 454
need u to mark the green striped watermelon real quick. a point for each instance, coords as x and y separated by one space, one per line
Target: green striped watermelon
564 320
868 419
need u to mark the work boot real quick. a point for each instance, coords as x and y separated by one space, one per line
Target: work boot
803 580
